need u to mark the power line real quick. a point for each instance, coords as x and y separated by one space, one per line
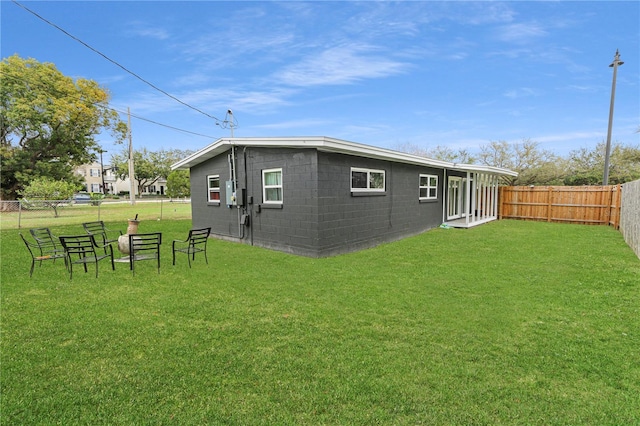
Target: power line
115 63
161 124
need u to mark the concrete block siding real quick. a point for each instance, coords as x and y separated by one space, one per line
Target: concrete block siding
320 215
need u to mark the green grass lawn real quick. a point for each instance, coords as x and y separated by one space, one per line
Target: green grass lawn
508 323
154 209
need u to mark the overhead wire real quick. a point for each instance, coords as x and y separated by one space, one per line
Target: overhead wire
116 63
160 124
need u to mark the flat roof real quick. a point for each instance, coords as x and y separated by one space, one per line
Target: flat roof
325 144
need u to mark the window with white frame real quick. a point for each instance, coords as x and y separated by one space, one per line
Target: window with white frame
367 180
95 187
428 187
94 172
213 189
272 186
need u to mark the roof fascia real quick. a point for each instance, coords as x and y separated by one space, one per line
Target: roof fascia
326 144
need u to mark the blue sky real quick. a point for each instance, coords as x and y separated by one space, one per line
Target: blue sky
388 74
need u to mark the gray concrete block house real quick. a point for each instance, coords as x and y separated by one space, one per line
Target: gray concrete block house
319 196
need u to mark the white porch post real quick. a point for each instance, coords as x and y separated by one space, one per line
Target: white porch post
495 195
468 198
474 196
485 195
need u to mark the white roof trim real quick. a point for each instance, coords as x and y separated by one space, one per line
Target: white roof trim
329 145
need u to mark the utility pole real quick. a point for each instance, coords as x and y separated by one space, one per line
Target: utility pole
615 64
132 187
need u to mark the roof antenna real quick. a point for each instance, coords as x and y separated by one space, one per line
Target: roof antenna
229 122
232 124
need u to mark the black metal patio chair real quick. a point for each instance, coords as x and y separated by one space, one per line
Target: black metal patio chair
81 250
107 236
196 242
47 242
144 247
41 252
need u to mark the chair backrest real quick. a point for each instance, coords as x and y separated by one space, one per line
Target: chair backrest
81 249
79 244
144 243
41 253
94 227
43 237
199 236
144 247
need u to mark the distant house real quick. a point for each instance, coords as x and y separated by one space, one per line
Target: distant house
92 176
94 181
319 196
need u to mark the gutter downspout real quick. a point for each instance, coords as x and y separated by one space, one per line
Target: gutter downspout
248 207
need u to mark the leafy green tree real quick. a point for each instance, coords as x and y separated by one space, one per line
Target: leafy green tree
96 198
444 153
586 166
440 152
48 123
50 193
534 166
149 166
178 184
146 170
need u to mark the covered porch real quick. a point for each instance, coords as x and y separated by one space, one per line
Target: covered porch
471 200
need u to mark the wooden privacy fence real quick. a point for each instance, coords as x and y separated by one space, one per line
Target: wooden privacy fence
630 215
593 205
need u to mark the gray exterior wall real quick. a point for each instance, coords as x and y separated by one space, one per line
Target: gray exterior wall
319 215
350 222
222 220
292 227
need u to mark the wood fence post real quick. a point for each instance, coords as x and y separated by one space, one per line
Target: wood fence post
609 209
549 203
615 206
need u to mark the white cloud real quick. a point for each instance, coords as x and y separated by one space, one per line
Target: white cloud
570 136
110 79
479 13
142 29
521 32
364 132
522 92
294 124
340 65
212 101
583 88
192 79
